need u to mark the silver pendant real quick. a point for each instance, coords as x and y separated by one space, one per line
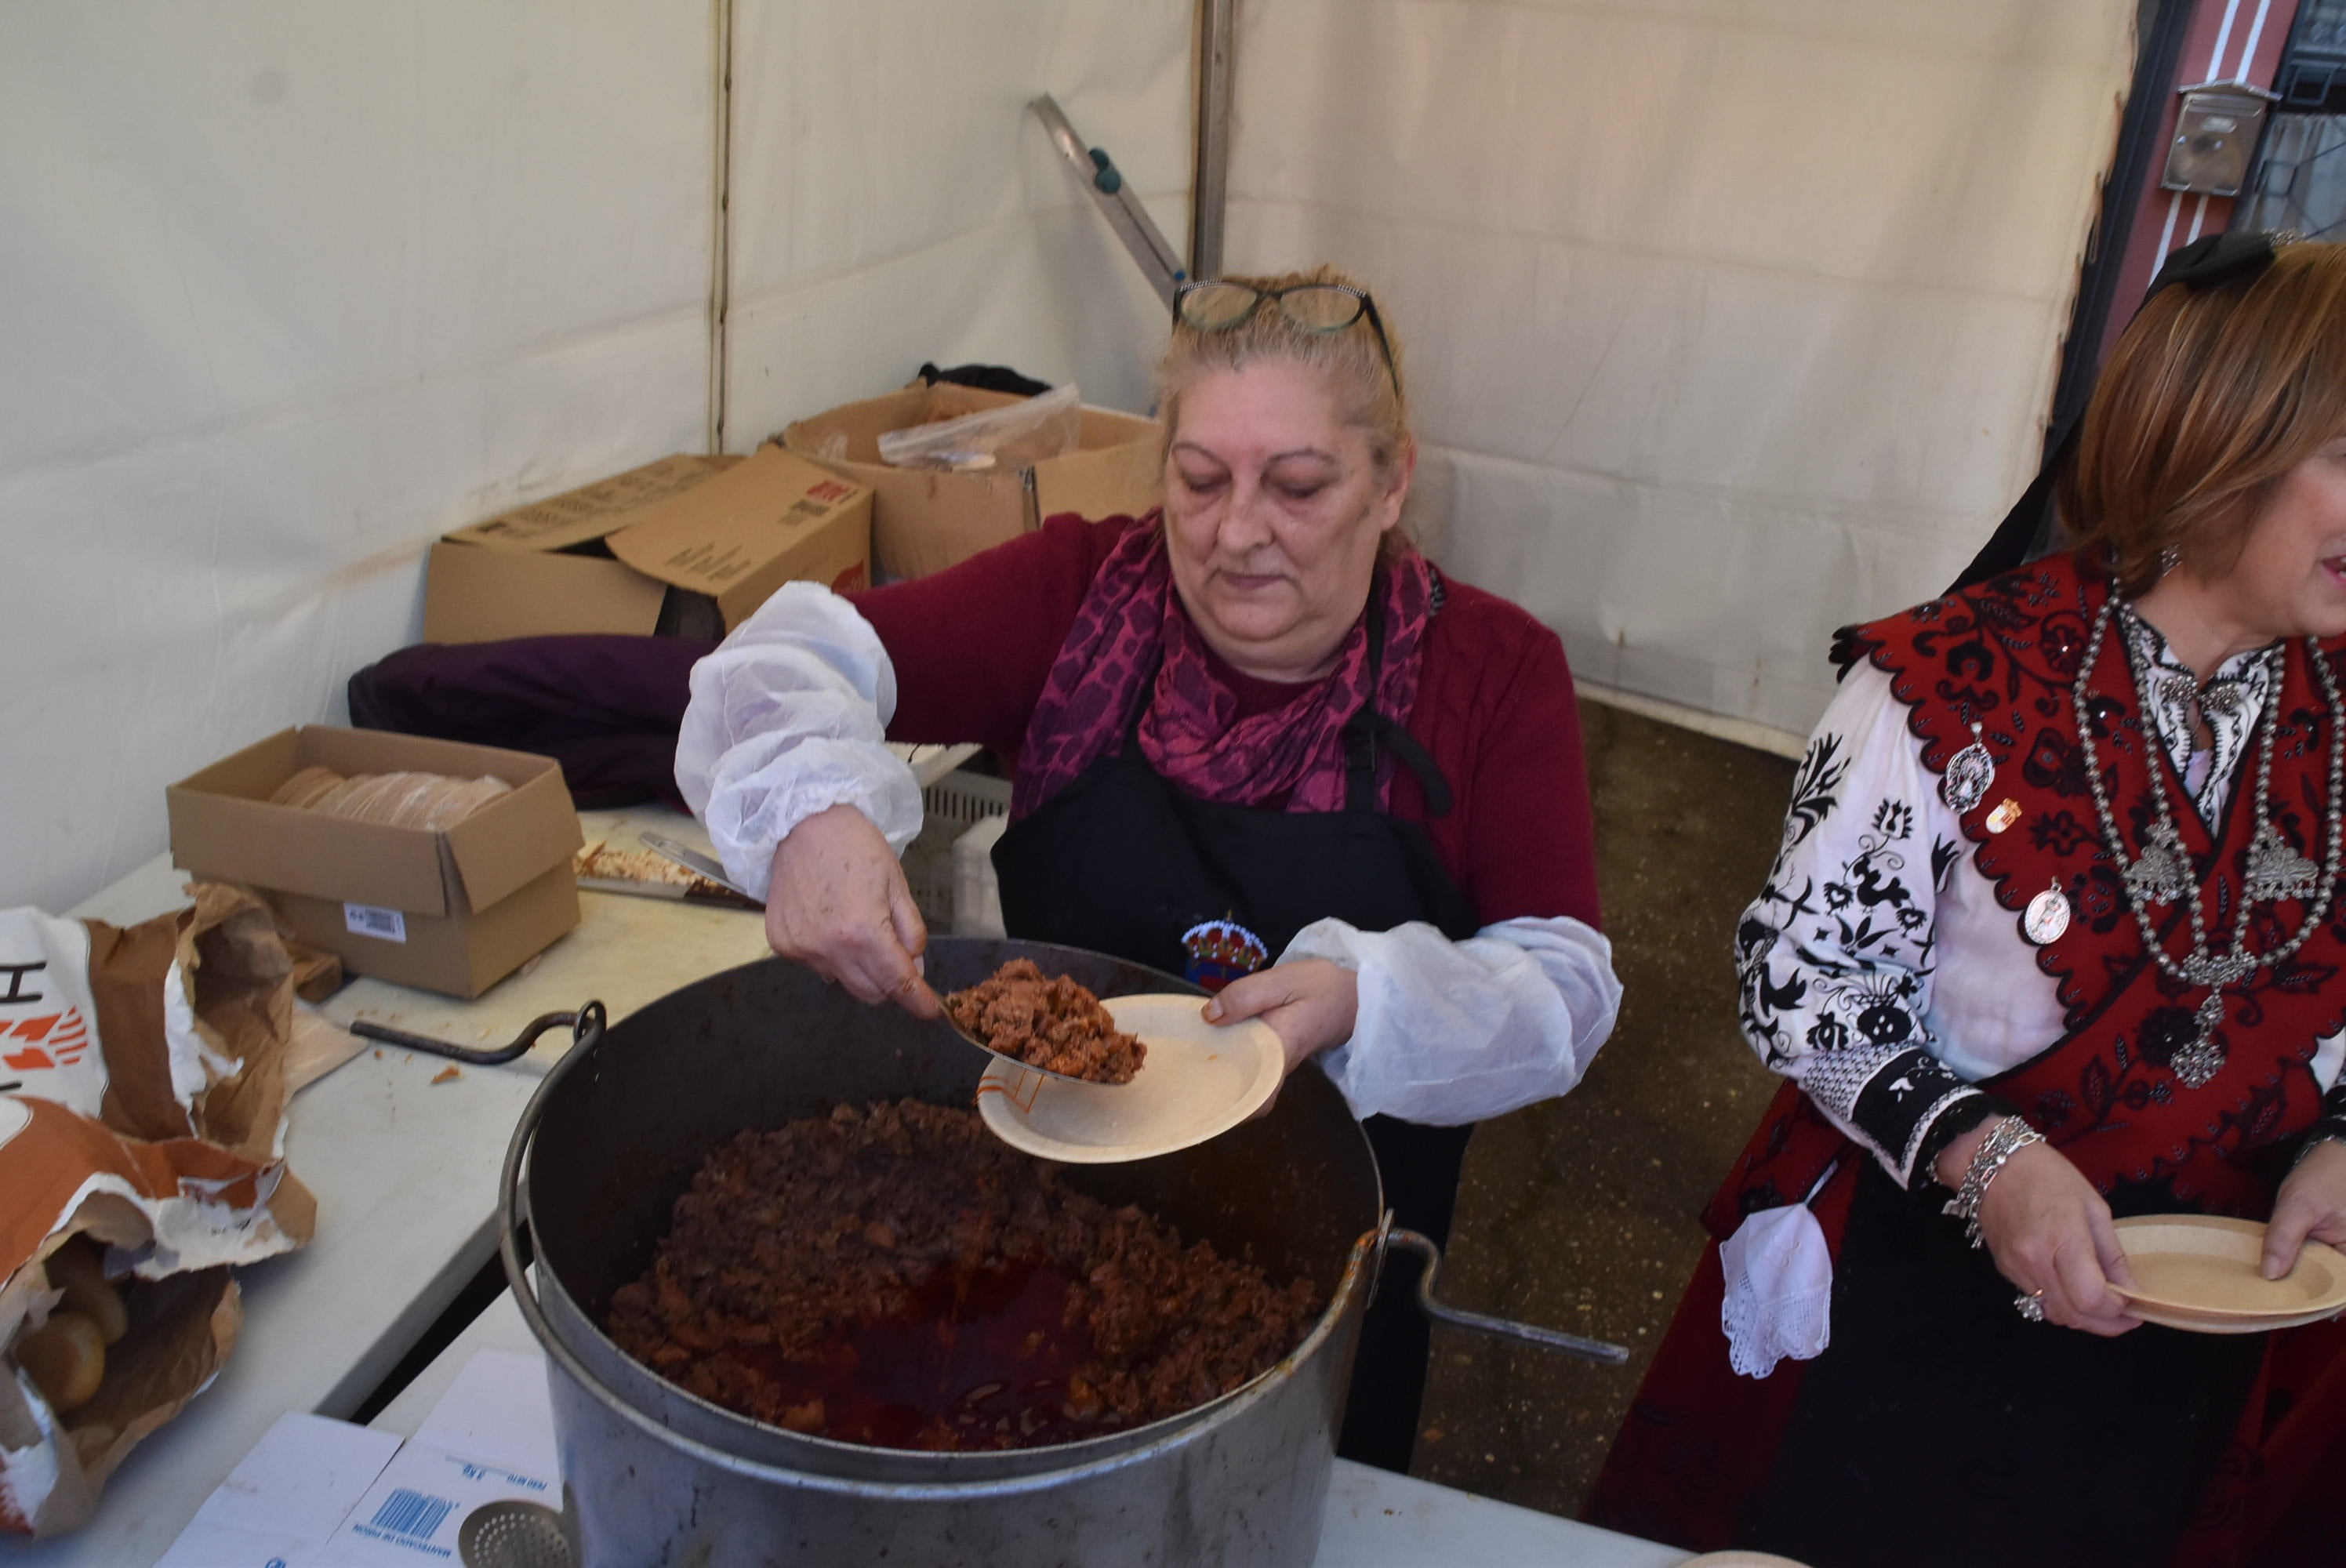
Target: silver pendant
2162 874
2276 871
2201 1060
1968 775
2046 917
2215 971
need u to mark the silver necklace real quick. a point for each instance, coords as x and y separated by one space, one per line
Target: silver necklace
2163 871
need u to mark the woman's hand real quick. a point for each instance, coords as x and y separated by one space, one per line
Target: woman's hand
2313 1203
2050 1233
839 905
1312 1004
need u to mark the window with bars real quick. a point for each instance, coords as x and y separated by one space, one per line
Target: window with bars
2300 178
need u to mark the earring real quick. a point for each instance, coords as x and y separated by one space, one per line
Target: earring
2169 558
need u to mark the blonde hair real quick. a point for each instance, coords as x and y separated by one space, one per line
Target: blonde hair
2209 398
1369 396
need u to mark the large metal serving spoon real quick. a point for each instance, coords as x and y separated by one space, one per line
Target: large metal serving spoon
701 865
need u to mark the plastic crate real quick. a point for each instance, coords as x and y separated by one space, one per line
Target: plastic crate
949 808
977 895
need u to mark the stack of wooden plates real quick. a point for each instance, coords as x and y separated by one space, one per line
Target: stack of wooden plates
2200 1273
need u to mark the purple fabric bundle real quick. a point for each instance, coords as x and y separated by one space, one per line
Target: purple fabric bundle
606 708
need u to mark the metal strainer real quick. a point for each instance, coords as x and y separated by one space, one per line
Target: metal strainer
514 1534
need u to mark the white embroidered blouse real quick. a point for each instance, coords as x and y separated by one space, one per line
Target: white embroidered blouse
1877 969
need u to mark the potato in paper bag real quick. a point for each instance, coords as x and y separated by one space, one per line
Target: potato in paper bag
142 1099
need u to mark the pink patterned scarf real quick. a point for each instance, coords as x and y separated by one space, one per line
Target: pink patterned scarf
1190 733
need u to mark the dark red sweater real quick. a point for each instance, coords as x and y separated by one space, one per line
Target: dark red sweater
973 645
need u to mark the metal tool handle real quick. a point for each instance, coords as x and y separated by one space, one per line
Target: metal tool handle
1143 240
1482 1323
583 1025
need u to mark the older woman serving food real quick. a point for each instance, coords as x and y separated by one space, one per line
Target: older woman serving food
2055 936
1255 725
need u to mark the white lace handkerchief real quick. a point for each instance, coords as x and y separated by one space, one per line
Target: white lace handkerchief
1778 1290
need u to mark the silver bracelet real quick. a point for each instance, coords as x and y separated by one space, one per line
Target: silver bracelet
2006 1139
2320 1137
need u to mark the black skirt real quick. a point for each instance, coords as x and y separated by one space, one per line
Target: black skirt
1940 1427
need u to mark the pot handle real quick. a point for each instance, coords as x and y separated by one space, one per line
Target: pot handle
1482 1323
515 1243
587 1020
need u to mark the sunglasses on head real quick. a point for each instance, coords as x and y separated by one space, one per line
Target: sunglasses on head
2217 258
1217 305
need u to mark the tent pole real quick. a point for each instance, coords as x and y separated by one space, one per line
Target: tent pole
1217 21
720 206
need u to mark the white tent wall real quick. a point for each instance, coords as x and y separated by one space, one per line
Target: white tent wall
1730 320
286 288
1727 321
894 201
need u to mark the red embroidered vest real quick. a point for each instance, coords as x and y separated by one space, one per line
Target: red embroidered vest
2004 655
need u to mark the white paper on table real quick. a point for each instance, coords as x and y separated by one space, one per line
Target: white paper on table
315 1492
497 1409
489 1439
283 1499
416 1508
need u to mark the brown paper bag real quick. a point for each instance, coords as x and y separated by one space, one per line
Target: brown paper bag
142 1103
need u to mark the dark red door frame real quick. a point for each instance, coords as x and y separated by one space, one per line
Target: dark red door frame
2226 40
2183 44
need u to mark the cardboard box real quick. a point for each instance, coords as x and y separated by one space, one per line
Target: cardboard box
923 520
454 911
687 546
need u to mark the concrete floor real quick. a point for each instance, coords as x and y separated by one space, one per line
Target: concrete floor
1580 1213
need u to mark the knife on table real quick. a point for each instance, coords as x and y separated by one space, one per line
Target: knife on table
699 864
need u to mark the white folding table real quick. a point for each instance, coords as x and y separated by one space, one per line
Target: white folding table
405 1173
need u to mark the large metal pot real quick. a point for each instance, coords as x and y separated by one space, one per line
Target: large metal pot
656 1478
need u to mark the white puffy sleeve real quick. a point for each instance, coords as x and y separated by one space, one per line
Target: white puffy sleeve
1835 958
1452 1032
790 717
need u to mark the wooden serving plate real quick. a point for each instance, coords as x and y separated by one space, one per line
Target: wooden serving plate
1197 1080
2200 1272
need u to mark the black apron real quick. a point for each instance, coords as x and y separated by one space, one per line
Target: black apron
1121 863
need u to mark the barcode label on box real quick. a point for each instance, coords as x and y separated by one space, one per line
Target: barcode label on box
367 920
413 1514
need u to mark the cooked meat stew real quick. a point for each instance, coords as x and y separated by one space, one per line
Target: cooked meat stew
1047 1022
895 1275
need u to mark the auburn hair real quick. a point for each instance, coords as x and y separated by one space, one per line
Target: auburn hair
2210 396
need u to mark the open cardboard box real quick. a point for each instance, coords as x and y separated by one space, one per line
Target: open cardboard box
923 520
686 545
453 912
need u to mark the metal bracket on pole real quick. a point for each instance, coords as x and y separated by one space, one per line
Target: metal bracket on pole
1141 237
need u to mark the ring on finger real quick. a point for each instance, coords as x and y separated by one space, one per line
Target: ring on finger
2030 1304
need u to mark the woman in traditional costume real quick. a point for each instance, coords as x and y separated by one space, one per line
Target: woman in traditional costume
1258 724
2055 936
